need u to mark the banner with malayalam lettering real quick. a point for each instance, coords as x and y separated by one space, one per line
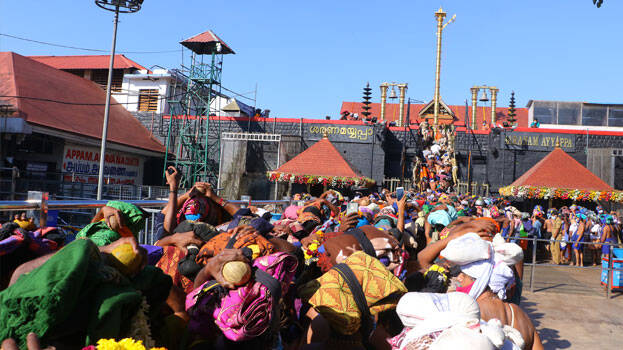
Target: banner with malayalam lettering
538 141
81 164
340 132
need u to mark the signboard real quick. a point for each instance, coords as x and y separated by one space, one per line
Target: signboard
538 141
81 164
341 133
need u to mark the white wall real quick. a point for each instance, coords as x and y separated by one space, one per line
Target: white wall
217 104
133 83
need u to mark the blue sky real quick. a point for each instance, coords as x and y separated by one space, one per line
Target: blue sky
308 57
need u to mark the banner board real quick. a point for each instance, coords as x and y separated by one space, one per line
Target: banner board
81 164
538 141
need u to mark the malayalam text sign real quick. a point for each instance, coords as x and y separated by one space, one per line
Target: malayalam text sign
343 133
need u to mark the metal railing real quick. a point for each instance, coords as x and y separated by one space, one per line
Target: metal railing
534 264
146 236
94 204
15 184
475 188
392 183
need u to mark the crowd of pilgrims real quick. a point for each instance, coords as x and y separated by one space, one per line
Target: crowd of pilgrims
423 270
435 168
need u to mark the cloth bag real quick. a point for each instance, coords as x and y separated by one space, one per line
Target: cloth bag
245 312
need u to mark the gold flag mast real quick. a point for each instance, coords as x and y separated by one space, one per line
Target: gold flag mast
440 15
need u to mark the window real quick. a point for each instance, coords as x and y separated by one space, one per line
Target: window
100 76
615 118
78 72
568 113
148 100
593 115
545 112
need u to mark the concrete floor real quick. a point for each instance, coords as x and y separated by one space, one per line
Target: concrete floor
570 309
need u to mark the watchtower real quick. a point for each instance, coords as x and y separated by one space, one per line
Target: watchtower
197 151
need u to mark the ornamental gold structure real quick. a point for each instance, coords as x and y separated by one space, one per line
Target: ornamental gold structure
494 100
440 15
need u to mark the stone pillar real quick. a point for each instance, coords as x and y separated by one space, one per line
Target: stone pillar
474 106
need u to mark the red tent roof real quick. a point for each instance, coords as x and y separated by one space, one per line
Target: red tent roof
321 159
392 113
59 100
560 170
205 43
87 62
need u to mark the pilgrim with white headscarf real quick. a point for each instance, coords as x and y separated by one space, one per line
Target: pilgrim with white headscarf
487 263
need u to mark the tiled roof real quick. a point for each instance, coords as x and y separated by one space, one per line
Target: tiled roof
392 112
560 170
321 159
87 62
63 101
205 43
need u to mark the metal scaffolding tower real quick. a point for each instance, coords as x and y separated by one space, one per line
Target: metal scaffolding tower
196 151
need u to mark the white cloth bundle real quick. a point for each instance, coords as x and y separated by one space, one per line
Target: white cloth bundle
512 339
459 337
502 336
486 262
453 321
416 309
509 253
466 249
494 330
426 313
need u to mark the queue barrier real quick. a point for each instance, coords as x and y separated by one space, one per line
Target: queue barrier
608 270
616 276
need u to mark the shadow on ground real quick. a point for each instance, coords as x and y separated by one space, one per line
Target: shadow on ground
549 337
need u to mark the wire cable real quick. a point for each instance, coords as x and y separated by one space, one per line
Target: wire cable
82 103
83 48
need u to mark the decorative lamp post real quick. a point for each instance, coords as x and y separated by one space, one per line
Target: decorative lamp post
116 6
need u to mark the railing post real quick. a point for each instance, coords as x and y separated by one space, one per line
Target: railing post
246 201
610 272
151 231
533 264
14 176
43 212
146 232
